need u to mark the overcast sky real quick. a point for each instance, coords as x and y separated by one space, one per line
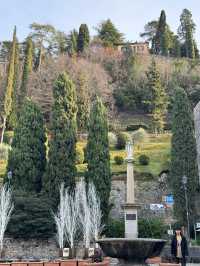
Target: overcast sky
129 16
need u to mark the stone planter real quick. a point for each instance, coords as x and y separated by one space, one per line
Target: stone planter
35 264
103 263
5 264
52 263
19 263
82 262
68 263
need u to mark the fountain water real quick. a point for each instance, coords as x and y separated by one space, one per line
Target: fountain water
131 247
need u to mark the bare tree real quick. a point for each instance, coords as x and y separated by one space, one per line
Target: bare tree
6 208
60 218
95 212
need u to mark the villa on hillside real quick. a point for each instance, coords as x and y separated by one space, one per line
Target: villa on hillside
137 47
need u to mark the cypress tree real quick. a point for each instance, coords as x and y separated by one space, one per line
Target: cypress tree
13 115
73 38
27 158
161 41
97 155
28 65
83 38
62 154
159 97
186 32
183 155
83 102
7 102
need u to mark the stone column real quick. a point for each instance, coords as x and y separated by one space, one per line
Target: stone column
130 208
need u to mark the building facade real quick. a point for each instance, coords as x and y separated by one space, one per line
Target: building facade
137 47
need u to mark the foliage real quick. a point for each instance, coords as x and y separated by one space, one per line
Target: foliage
114 228
122 138
27 158
112 138
8 137
134 127
109 34
28 65
139 137
31 217
159 97
83 102
118 160
79 155
186 32
151 228
183 155
62 151
4 150
97 155
144 159
83 39
8 96
72 42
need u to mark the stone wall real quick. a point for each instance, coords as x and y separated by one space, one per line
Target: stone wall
145 192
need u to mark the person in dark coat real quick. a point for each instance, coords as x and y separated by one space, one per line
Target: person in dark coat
179 247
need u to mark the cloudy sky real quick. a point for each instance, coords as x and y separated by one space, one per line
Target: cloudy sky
129 16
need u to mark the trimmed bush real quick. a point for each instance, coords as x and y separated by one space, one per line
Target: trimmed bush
4 150
79 155
114 228
151 228
118 160
122 138
112 139
139 137
134 127
8 137
144 159
31 217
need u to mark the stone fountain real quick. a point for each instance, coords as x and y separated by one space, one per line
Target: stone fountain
131 248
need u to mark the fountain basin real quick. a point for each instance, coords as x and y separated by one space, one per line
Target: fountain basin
135 250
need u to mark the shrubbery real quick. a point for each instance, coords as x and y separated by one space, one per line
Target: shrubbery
112 139
8 137
79 155
114 228
4 149
153 228
118 160
31 217
122 138
134 127
144 159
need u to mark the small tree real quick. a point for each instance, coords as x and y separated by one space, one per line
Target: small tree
6 208
83 38
139 136
159 98
28 65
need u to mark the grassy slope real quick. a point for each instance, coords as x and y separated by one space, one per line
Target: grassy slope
157 148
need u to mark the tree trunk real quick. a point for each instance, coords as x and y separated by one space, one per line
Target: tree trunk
3 129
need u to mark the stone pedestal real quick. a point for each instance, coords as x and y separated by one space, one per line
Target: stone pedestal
130 208
131 220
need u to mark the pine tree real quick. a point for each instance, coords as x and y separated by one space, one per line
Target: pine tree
7 102
62 155
109 34
97 155
72 47
83 38
183 155
28 65
159 98
161 41
186 32
83 102
27 158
